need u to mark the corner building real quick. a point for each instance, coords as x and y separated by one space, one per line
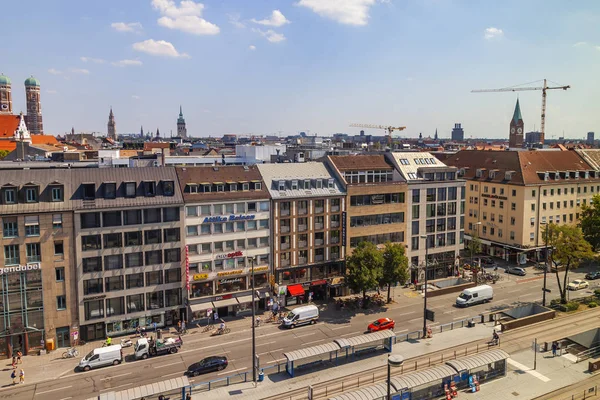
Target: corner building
128 248
227 212
308 204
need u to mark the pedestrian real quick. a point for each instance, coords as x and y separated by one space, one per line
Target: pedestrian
179 326
22 376
14 362
13 376
183 326
19 355
554 348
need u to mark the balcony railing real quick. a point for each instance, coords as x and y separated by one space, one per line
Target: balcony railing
302 243
319 258
285 263
285 229
302 260
31 259
285 212
11 261
335 208
302 211
319 242
335 224
285 246
319 210
335 240
318 226
302 228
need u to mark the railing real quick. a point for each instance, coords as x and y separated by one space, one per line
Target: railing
302 260
285 212
302 211
285 246
302 244
335 208
588 393
589 353
335 224
335 240
31 259
302 228
319 242
285 263
319 258
285 229
318 226
334 256
319 210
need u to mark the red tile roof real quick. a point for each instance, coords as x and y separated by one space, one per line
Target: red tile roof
360 162
8 125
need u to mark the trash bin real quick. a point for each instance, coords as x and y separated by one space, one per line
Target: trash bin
49 344
261 376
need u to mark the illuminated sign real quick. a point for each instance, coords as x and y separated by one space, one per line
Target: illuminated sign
21 268
187 268
238 253
258 269
227 273
230 218
199 277
230 280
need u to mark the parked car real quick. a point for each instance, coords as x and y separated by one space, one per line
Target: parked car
578 284
516 271
488 262
592 275
381 324
208 364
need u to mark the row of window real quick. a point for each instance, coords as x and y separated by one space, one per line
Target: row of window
318 256
130 281
439 194
545 192
31 194
222 187
12 256
285 207
419 161
369 176
376 199
438 240
440 209
228 263
318 239
227 209
228 245
139 259
10 225
570 204
305 184
226 227
377 219
133 238
95 309
128 217
128 189
394 237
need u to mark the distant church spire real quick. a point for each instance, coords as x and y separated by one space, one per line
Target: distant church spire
112 126
181 128
436 135
141 131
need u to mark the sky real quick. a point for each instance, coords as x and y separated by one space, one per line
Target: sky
285 66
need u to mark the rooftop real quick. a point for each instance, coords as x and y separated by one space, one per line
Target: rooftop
360 162
273 173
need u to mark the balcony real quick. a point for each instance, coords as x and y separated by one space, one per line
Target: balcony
285 246
335 240
285 263
11 261
319 242
285 212
32 259
302 244
302 260
319 258
319 210
285 229
335 209
318 226
335 224
302 228
302 211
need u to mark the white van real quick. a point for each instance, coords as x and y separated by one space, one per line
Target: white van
476 295
101 357
301 315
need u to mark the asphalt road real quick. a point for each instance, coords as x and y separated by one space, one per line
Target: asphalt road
272 341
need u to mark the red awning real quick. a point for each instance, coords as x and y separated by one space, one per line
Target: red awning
296 290
319 282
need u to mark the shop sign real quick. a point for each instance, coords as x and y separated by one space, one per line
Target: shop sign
306 284
224 297
494 196
199 277
238 253
187 268
240 217
344 228
227 273
258 269
319 282
21 268
281 291
231 280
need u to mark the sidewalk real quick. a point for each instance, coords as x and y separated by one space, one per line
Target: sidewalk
277 384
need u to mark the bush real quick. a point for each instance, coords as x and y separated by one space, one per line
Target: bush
597 293
592 304
572 306
554 302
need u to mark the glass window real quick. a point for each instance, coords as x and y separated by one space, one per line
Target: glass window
10 196
171 235
132 217
173 297
92 264
152 236
113 240
133 238
241 244
57 193
135 303
204 210
168 188
154 278
91 242
56 221
171 214
10 227
115 306
251 225
60 274
263 224
152 215
33 252
110 190
229 208
130 189
172 255
205 229
240 208
113 283
32 225
90 220
135 280
11 255
173 275
134 260
153 257
155 300
59 248
191 211
192 230
31 194
264 206
93 309
228 227
111 218
251 207
113 262
92 286
61 302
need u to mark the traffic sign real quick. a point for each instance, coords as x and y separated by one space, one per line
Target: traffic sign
430 315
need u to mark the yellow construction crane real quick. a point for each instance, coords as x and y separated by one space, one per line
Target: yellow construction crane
388 129
519 89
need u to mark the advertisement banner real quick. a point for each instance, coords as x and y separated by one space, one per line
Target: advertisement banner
187 268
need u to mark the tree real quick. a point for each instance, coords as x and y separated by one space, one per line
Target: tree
474 246
3 153
567 249
590 221
395 266
364 268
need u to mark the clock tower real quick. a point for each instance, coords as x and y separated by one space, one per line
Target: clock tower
515 138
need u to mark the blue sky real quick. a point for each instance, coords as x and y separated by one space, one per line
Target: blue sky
264 66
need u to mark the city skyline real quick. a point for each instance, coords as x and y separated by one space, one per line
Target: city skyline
306 65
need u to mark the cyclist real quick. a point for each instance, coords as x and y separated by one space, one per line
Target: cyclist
221 328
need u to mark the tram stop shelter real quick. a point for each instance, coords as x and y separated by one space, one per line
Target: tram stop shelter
487 366
426 384
170 388
373 341
311 355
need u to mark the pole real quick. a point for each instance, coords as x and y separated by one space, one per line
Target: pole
545 267
534 354
425 292
253 325
389 374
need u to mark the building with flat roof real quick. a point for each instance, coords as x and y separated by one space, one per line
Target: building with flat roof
458 133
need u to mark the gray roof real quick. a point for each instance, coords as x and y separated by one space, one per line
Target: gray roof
369 393
311 351
151 389
412 162
419 378
364 339
478 360
272 173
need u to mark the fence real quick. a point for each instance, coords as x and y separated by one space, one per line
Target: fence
589 353
584 394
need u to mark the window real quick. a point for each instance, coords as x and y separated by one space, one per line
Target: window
89 191
57 193
113 262
172 235
135 281
61 302
174 255
171 214
10 196
205 229
133 238
192 230
92 264
90 220
110 190
513 206
59 249
59 273
168 188
31 194
431 194
94 309
191 211
129 189
10 227
135 302
233 187
34 252
113 283
149 188
154 278
173 275
152 215
152 236
264 206
92 286
113 240
111 218
132 217
514 192
245 187
11 255
531 236
532 206
153 257
155 300
173 297
415 211
115 306
134 260
57 221
251 207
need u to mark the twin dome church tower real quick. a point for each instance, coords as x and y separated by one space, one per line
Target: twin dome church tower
33 119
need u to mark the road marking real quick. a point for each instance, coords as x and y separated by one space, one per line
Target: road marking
407 313
305 335
66 398
216 345
460 317
353 333
174 373
270 351
116 376
264 344
315 341
167 365
403 330
235 370
513 291
341 327
276 361
116 387
54 390
415 319
528 370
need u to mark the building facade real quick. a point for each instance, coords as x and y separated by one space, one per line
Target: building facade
306 213
37 300
517 129
227 224
458 133
128 249
436 200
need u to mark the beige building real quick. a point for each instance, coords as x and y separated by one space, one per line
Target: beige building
512 194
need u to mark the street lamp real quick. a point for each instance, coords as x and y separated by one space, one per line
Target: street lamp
472 237
394 360
545 261
252 261
425 290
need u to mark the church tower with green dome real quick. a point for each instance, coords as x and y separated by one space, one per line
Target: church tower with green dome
5 95
33 119
181 129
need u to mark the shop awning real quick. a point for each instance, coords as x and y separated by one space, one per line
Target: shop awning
225 303
244 299
201 307
319 282
296 290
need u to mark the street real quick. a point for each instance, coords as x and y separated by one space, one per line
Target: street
62 382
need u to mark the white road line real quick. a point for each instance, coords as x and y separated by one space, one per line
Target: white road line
407 313
116 376
403 330
414 319
276 361
305 335
54 390
267 352
461 317
174 373
116 387
315 341
229 372
353 333
167 365
528 370
264 344
341 327
216 345
513 291
66 398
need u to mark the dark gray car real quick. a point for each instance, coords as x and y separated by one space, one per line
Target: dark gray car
516 271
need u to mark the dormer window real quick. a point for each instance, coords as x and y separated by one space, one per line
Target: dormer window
246 187
546 176
257 185
587 174
220 188
149 188
281 185
130 189
110 190
508 175
492 174
319 184
233 187
56 193
168 188
556 175
461 172
330 184
478 173
89 191
307 184
10 195
294 185
206 188
192 188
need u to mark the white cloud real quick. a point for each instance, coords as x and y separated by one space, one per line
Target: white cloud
51 91
54 71
492 33
252 47
580 44
186 17
135 96
127 26
93 60
271 35
127 63
158 48
277 19
81 71
350 12
234 19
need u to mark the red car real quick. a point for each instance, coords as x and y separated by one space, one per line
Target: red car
381 325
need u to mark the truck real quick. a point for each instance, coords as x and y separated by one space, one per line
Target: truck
145 347
101 357
475 295
301 315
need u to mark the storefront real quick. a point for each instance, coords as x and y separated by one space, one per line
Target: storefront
120 327
314 282
21 310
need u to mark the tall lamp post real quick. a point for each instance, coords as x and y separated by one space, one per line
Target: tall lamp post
252 261
394 361
545 262
425 290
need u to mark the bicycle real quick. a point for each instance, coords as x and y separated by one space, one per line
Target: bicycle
208 328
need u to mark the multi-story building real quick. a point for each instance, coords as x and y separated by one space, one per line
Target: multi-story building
458 133
37 301
227 213
307 206
128 249
512 194
376 199
436 200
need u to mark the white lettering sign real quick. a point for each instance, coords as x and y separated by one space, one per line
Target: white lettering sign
20 268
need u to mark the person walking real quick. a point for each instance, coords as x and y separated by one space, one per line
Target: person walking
554 348
19 355
13 376
22 376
